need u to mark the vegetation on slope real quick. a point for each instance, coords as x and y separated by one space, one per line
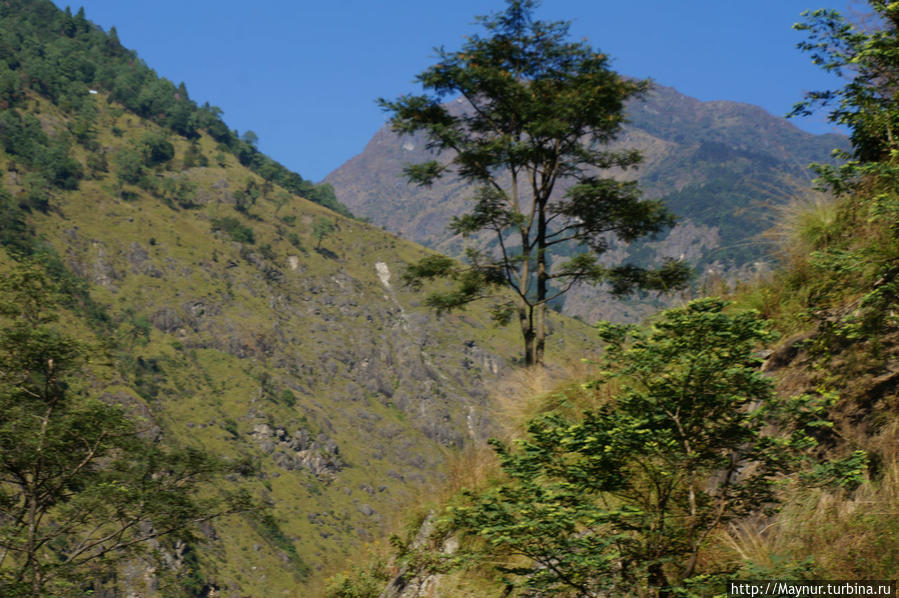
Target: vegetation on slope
65 58
555 516
238 318
84 487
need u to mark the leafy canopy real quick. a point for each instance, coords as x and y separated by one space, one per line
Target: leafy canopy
867 104
537 115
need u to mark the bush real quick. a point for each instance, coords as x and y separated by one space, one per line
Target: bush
156 149
623 500
237 231
128 165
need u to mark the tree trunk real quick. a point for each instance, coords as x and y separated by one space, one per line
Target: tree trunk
526 319
542 285
539 333
658 583
525 307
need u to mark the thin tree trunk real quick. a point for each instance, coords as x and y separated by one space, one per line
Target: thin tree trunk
539 333
542 286
658 583
526 319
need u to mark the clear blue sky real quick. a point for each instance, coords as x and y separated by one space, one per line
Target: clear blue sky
304 74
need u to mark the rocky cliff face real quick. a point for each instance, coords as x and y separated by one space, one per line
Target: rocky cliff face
720 166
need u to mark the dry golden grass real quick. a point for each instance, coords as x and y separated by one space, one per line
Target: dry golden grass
832 534
806 223
519 396
523 394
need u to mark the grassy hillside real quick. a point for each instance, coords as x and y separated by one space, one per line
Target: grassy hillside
243 319
61 56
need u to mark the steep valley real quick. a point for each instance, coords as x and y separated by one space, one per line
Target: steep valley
232 307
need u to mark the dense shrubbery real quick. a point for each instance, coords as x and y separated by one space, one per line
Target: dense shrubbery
22 138
623 500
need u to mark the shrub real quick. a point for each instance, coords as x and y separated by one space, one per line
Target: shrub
237 231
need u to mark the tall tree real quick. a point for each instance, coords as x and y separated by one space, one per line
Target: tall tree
540 110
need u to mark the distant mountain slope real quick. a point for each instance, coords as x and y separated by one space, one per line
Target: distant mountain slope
720 166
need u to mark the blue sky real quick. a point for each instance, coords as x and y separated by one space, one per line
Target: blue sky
304 75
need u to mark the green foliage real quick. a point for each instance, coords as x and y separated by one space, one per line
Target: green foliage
10 87
237 231
13 227
623 501
863 242
287 398
250 138
194 156
155 149
866 56
539 108
97 162
246 197
128 165
322 228
37 193
80 490
178 191
360 582
294 239
60 169
61 57
867 104
848 472
269 529
23 138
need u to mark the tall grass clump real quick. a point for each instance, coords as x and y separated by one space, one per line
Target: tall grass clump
826 533
802 227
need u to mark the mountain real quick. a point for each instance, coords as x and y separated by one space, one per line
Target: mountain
720 166
230 313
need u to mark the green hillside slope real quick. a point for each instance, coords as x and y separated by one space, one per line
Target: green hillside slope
235 315
61 57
